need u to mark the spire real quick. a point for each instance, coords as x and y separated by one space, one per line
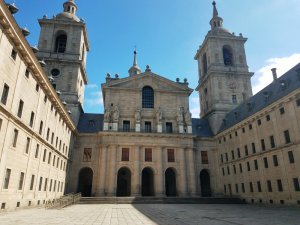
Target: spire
70 7
135 69
216 21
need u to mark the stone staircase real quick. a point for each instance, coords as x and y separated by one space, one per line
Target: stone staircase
158 200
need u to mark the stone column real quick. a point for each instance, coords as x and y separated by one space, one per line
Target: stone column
103 171
159 179
191 172
136 187
112 177
182 177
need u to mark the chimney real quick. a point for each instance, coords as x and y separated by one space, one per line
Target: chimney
274 72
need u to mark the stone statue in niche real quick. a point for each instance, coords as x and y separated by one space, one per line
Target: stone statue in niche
107 115
137 115
188 117
116 114
180 115
87 154
159 115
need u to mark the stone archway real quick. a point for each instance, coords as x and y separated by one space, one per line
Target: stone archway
170 182
85 182
147 182
124 182
205 183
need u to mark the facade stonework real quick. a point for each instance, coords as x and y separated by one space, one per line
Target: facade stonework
145 143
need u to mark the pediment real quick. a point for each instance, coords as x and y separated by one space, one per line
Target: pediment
153 80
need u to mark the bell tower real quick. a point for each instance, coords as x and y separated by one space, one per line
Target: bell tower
63 45
224 77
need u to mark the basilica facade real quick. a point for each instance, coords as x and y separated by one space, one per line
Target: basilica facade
145 143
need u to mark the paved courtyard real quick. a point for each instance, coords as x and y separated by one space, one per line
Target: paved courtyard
157 214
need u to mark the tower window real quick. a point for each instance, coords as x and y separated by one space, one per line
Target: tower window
148 97
61 43
234 99
228 56
55 72
204 64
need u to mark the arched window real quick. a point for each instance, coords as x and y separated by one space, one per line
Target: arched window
204 64
227 55
61 43
148 97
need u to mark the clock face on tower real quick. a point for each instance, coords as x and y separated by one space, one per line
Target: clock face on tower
55 72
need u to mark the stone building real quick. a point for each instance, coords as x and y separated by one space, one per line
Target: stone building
145 143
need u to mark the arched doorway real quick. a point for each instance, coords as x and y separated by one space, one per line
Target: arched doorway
85 182
147 182
124 182
170 182
205 183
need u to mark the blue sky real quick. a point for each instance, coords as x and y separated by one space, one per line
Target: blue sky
167 34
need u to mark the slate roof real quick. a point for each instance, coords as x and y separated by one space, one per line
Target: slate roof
279 88
201 128
90 123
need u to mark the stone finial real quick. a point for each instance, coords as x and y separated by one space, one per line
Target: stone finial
274 73
148 69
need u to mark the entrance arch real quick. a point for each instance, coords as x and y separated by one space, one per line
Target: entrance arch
170 182
124 182
205 183
85 181
147 182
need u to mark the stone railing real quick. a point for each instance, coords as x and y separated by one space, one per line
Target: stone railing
63 201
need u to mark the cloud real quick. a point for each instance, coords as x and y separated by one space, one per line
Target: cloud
263 76
195 107
95 100
92 86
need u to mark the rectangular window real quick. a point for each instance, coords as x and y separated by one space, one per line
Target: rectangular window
171 155
263 145
251 186
52 138
243 188
266 162
21 181
296 184
258 186
125 154
291 157
226 156
259 122
287 137
148 127
232 155
37 87
15 138
13 54
234 169
27 145
228 170
269 184
40 184
248 166
253 148
298 102
45 98
250 127
236 188
246 150
223 171
148 154
243 129
238 152
32 182
255 164
20 109
1 123
222 160
279 185
27 73
4 94
281 110
275 160
36 155
53 163
46 183
6 179
48 134
44 155
31 119
49 157
268 117
126 125
50 186
234 99
241 168
169 127
236 133
272 141
204 157
41 127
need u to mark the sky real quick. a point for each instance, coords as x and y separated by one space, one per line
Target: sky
167 34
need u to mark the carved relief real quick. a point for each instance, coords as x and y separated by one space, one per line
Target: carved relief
87 155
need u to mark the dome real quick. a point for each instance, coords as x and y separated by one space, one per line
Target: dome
67 15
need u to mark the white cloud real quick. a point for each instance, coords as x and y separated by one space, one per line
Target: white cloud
96 100
92 86
263 76
195 107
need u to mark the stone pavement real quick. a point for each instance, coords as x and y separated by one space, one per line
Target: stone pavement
159 214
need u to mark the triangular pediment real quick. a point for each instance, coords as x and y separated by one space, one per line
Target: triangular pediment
139 81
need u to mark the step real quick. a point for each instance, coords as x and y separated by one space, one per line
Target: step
158 200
